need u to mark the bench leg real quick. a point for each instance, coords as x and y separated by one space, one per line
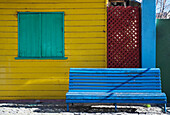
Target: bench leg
115 107
67 107
165 108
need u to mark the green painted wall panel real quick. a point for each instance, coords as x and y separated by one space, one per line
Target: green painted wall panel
29 35
163 53
52 34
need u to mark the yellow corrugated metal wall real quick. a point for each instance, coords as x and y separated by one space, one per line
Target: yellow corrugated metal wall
85 47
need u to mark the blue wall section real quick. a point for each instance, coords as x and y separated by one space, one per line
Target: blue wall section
148 33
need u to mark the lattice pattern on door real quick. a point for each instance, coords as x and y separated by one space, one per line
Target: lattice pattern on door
123 37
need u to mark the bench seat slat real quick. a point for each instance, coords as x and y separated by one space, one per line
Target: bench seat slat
117 78
119 91
113 94
120 70
117 101
116 75
101 94
117 88
115 72
111 97
114 81
116 84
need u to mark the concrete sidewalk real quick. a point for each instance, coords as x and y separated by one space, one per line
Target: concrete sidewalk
78 109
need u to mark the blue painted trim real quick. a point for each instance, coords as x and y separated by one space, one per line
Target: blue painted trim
115 107
148 46
113 88
117 101
67 107
18 33
63 36
115 81
116 69
119 91
110 97
124 70
40 12
114 95
119 75
116 85
165 108
41 34
115 78
32 58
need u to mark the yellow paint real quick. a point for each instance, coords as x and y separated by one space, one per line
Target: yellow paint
9 23
33 87
30 94
67 52
49 1
67 46
8 29
85 47
35 70
67 28
9 41
67 41
31 97
14 17
34 81
67 23
66 11
53 63
52 5
88 57
34 76
83 23
75 34
106 1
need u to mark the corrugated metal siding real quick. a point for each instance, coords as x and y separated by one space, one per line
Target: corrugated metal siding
85 46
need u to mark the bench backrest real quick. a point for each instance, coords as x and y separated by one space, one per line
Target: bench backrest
115 80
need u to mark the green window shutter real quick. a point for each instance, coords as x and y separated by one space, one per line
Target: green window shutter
41 35
29 35
52 35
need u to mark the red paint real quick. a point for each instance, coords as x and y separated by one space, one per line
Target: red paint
123 37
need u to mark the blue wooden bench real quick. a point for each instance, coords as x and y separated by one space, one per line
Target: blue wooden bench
115 85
